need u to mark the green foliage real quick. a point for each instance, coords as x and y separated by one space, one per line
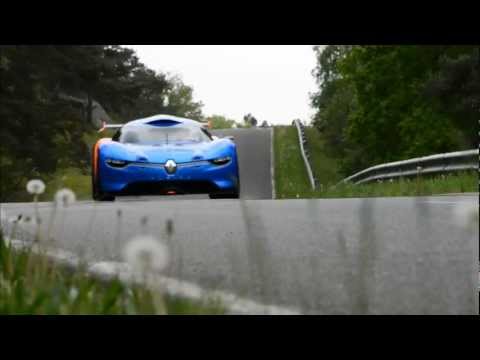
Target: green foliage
291 178
249 120
180 100
384 103
324 167
221 122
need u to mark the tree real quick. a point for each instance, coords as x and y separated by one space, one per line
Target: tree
250 120
220 122
384 103
180 100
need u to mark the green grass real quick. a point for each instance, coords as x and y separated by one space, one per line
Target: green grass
441 184
75 179
324 167
31 284
291 177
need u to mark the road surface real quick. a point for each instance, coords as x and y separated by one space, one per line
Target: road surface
324 256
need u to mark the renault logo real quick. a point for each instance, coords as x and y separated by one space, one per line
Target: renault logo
170 166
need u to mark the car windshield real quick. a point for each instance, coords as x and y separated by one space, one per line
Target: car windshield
151 135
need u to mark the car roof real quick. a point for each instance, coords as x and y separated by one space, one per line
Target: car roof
160 117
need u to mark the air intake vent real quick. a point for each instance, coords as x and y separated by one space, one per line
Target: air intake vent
165 122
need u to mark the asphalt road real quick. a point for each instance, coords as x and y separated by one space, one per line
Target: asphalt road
326 256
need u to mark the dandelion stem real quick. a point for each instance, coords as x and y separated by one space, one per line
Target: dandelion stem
52 220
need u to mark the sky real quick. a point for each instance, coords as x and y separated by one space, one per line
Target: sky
272 82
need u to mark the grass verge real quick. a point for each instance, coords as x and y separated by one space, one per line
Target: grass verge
291 177
79 181
31 284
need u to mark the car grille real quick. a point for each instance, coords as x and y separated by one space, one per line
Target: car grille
164 186
179 165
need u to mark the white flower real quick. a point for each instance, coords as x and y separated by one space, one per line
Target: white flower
73 293
419 168
391 180
145 253
36 187
65 197
466 214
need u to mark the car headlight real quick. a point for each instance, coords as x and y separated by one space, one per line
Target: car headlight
117 163
221 161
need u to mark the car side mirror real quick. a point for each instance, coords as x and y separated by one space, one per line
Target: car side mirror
230 137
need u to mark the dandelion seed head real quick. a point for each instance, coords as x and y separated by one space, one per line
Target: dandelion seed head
73 293
65 197
145 253
35 187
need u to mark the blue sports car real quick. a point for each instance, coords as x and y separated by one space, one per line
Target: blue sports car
164 155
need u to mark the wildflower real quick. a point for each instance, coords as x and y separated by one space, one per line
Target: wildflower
73 293
298 196
466 215
419 168
145 253
65 197
390 181
36 187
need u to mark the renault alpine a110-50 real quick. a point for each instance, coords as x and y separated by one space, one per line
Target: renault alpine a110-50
164 155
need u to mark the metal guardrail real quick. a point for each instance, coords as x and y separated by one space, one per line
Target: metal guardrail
439 163
303 141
